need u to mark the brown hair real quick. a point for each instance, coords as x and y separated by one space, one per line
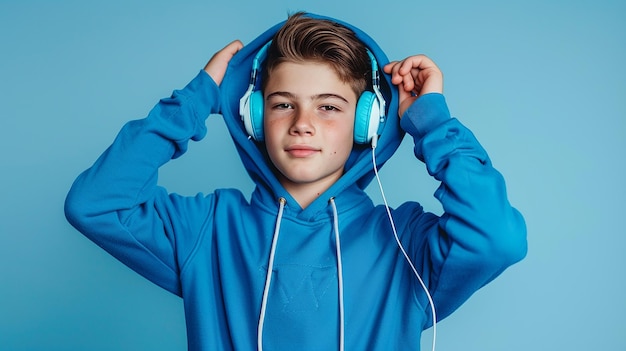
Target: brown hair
305 39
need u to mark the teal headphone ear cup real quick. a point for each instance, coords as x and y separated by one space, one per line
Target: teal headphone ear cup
369 115
256 116
366 117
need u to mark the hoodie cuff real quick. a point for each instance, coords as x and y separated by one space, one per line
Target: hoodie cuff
203 93
426 113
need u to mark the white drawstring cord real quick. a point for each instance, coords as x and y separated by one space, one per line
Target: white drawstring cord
339 275
268 275
270 267
406 256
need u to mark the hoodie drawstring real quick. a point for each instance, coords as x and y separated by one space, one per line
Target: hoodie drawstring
268 275
339 274
270 268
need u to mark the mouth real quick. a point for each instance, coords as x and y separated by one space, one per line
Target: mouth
301 150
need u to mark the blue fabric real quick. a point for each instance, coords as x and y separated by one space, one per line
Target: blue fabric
212 250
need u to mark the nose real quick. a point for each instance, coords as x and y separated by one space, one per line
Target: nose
302 123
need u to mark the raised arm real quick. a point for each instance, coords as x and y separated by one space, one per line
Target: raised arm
479 234
117 203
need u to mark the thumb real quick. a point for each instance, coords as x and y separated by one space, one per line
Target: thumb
406 99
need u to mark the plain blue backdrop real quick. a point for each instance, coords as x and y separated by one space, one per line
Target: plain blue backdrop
541 83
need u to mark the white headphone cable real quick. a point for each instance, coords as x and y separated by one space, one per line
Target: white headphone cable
395 233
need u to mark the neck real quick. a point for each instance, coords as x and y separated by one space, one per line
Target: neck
305 194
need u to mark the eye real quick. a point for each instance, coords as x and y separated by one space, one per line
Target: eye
329 108
282 106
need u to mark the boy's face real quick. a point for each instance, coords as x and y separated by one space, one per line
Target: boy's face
309 123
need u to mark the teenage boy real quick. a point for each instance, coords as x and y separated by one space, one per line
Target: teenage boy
309 262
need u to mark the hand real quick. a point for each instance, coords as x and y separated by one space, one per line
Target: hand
415 76
216 67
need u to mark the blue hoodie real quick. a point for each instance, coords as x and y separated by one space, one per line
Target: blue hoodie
214 250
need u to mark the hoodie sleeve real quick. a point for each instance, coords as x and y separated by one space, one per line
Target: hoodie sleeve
117 204
479 234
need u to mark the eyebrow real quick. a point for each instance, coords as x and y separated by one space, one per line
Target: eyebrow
289 95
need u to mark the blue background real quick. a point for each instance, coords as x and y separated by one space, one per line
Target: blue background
541 83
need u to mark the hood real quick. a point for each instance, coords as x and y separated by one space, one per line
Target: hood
358 169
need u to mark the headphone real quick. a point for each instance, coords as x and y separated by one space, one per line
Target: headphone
369 118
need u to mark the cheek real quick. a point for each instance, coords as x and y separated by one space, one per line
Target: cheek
271 128
347 129
269 135
344 136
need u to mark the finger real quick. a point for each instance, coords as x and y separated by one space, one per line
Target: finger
392 69
227 52
216 67
231 49
408 82
387 68
419 62
409 64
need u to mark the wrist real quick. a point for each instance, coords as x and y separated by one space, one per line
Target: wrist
427 112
